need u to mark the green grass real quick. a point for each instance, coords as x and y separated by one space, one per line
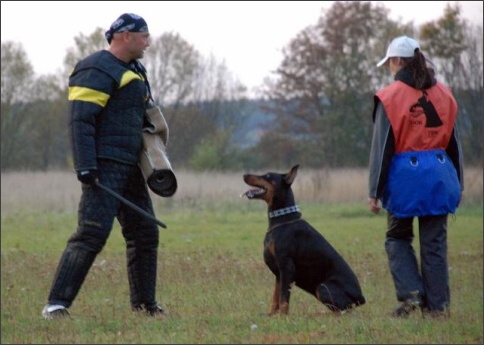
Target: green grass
214 284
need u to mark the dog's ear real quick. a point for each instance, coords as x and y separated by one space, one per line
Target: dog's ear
291 175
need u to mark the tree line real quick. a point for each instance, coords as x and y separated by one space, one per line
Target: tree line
315 109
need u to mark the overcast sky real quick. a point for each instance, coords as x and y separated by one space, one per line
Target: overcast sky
247 35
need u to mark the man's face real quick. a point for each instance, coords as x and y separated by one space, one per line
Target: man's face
138 42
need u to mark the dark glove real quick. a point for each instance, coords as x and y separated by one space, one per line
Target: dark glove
88 176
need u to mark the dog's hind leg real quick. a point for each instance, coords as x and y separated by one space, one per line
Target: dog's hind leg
323 294
332 298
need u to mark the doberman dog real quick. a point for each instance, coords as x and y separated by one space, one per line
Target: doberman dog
297 253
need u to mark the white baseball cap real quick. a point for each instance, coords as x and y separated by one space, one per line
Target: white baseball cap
402 46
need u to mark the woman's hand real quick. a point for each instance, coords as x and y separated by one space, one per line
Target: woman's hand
373 204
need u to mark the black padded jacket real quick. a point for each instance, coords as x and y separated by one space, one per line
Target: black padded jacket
107 99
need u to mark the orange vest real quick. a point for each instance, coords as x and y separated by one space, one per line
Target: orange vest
421 120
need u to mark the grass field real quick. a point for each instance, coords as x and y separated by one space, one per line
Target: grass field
211 276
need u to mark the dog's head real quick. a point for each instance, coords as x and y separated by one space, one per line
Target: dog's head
273 188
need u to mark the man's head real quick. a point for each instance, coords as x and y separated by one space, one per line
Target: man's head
128 37
126 22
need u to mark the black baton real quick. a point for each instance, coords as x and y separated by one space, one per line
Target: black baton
130 204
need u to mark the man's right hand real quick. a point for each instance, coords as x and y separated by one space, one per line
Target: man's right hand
88 176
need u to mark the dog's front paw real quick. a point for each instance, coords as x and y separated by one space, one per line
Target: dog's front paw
273 309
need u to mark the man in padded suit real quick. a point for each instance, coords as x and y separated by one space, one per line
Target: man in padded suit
108 96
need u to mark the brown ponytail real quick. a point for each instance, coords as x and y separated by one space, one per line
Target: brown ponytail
418 65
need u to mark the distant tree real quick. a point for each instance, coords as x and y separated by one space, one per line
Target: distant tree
221 97
33 115
49 134
172 64
17 73
186 134
216 153
84 45
34 111
17 77
323 89
325 83
457 49
215 82
48 110
181 79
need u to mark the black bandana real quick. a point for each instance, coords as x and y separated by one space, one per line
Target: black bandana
126 22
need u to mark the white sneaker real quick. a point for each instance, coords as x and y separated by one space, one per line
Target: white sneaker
54 311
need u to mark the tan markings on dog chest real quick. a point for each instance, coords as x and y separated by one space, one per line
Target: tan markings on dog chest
272 248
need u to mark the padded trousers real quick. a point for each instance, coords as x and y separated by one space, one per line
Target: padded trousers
96 214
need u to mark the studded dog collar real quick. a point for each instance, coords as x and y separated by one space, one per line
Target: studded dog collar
284 211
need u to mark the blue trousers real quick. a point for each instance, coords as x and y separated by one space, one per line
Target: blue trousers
428 282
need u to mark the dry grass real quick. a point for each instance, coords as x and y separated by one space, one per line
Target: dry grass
212 278
59 191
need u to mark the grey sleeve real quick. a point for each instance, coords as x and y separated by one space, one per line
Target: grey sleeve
381 152
454 150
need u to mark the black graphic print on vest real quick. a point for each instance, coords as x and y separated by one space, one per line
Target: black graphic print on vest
433 119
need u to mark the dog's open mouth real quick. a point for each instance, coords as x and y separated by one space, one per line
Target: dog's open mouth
254 193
